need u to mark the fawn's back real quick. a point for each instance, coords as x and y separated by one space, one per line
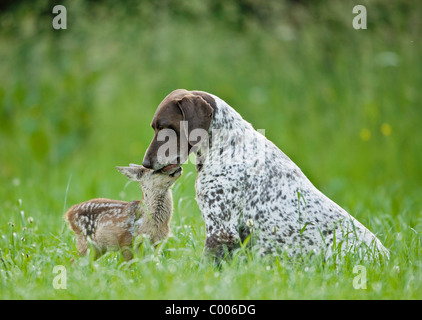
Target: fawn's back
109 223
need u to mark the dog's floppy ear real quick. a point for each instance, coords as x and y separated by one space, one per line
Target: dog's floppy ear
197 112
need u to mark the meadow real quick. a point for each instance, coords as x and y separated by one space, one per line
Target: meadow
343 104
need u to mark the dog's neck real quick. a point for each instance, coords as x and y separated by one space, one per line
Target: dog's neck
226 135
225 118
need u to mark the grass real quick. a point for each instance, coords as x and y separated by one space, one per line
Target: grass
343 104
30 252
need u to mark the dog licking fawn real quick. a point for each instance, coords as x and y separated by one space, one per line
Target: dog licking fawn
112 225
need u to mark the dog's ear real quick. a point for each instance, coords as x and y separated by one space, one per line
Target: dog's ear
197 112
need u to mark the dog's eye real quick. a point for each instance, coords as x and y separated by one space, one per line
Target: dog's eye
159 128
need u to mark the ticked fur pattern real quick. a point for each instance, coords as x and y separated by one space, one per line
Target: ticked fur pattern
246 186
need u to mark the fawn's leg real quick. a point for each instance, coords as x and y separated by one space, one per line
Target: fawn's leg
115 238
125 243
81 245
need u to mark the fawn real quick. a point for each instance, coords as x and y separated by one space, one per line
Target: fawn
112 224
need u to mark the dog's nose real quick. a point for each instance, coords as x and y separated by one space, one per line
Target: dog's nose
147 163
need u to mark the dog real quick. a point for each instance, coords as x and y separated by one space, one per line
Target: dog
246 187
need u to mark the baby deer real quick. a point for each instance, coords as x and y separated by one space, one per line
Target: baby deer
112 224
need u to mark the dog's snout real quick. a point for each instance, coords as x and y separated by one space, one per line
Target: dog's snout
147 163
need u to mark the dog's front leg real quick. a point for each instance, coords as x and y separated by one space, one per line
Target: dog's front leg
220 243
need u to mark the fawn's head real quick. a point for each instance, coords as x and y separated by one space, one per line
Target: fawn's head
150 179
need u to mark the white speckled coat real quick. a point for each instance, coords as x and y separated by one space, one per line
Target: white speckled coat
245 185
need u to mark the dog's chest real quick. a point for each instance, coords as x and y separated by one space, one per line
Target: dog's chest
220 190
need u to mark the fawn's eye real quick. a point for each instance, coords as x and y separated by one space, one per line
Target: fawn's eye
139 174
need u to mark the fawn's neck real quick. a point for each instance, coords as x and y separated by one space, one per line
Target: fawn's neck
159 204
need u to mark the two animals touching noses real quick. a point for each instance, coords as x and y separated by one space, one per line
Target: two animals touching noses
278 206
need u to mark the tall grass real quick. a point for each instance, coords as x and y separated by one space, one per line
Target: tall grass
344 104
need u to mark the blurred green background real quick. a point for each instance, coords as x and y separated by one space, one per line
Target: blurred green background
344 104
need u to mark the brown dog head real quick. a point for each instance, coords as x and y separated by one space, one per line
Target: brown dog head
176 117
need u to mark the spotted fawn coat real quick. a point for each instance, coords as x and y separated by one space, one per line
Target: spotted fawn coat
111 224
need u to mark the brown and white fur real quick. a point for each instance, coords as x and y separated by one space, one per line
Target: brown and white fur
247 186
112 224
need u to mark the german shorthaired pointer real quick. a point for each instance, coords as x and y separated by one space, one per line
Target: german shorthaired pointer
247 186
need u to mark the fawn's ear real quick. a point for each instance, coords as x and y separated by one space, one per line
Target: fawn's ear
134 172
